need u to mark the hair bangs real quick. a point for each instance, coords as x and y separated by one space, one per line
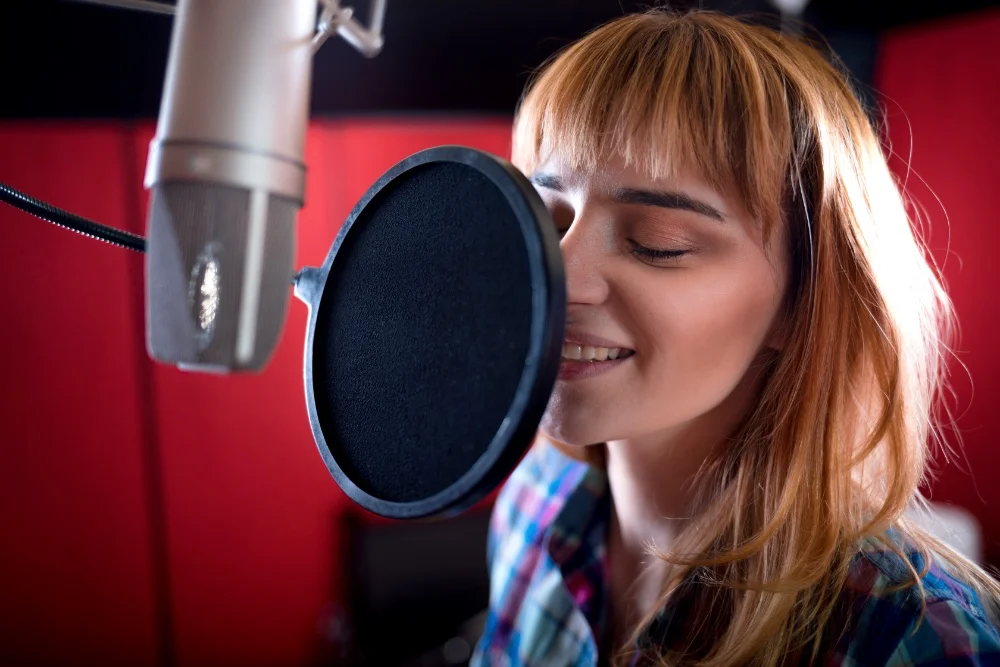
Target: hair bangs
663 96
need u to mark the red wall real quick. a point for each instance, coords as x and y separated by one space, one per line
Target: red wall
153 516
91 427
941 88
76 561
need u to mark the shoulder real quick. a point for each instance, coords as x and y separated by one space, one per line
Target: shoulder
896 623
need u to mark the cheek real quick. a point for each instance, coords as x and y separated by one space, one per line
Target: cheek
698 330
706 326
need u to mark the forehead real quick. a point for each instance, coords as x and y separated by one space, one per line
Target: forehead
614 172
609 168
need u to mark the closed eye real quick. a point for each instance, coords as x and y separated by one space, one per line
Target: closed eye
656 253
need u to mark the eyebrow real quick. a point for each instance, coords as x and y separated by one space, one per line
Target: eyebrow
660 198
547 181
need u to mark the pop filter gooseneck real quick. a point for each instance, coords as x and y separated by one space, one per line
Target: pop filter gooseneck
435 333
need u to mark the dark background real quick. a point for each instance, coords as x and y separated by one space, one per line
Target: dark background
68 59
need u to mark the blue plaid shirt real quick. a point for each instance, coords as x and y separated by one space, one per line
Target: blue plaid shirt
547 560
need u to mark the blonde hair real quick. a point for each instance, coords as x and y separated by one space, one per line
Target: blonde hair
836 448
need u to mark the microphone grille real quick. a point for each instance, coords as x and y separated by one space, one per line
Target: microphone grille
218 272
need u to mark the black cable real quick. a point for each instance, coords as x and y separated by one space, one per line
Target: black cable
153 474
75 223
67 220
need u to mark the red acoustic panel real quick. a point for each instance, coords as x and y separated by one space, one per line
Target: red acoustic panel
75 562
372 146
941 93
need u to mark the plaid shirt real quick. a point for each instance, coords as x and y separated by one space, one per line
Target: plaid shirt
548 562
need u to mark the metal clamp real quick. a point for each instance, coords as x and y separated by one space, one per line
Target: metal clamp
340 20
334 19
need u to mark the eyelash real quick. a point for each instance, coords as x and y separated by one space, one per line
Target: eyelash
656 254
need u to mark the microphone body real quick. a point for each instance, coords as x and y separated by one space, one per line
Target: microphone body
227 177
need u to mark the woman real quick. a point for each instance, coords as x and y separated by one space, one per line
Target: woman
754 346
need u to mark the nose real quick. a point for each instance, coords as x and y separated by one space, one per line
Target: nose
583 252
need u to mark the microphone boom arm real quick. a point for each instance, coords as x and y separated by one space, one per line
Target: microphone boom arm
334 19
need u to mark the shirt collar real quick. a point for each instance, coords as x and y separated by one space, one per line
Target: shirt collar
582 518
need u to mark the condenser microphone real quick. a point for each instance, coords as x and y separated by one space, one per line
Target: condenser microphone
227 176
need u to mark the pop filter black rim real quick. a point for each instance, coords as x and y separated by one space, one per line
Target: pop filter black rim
541 366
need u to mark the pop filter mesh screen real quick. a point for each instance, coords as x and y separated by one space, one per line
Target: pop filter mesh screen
422 332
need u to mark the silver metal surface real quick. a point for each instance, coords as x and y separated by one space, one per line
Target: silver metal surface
340 20
201 162
238 77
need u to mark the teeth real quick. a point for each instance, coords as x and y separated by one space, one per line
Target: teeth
589 353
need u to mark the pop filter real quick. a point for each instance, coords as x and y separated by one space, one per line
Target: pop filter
435 333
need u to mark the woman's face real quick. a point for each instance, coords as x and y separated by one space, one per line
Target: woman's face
676 276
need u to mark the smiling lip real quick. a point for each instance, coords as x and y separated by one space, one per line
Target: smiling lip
581 338
571 369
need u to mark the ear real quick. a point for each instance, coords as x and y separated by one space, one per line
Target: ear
788 288
780 330
781 324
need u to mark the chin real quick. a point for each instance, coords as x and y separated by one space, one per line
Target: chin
568 432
